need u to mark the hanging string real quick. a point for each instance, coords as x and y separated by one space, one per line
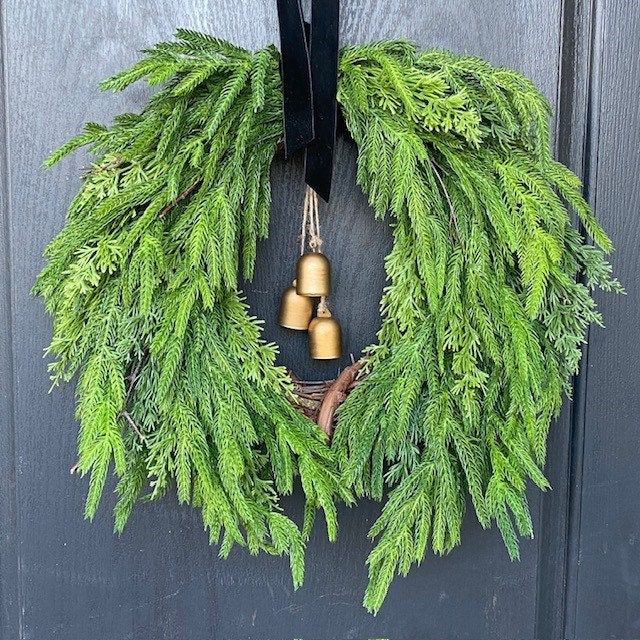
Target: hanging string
311 229
310 223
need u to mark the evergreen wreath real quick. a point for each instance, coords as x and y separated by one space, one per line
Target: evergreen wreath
482 319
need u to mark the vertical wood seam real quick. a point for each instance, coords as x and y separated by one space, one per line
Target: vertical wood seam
560 510
11 591
590 177
549 604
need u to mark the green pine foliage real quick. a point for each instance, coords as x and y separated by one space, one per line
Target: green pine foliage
482 320
175 386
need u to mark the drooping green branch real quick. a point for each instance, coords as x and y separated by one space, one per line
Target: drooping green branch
482 320
176 386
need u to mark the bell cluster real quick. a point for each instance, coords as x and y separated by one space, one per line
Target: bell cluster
298 302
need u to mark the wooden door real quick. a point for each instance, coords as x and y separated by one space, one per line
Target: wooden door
61 577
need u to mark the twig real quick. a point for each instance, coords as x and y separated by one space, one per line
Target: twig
132 378
179 199
133 425
452 211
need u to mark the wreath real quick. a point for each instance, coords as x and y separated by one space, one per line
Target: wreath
482 320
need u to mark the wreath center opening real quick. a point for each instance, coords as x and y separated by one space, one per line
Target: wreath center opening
356 246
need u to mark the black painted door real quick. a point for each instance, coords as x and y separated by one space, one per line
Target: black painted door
63 578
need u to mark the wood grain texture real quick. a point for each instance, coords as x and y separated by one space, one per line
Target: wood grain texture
9 573
160 579
607 576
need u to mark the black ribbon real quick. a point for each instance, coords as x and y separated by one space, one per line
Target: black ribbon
309 79
296 78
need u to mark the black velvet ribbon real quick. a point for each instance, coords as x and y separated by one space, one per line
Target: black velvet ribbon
309 79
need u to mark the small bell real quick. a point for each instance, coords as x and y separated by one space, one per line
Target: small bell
295 310
325 336
313 275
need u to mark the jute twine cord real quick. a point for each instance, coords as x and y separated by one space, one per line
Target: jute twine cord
310 234
310 223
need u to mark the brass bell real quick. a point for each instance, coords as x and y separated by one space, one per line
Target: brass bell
325 336
295 310
313 275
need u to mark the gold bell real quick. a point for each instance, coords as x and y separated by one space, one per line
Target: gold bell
295 310
325 336
313 275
